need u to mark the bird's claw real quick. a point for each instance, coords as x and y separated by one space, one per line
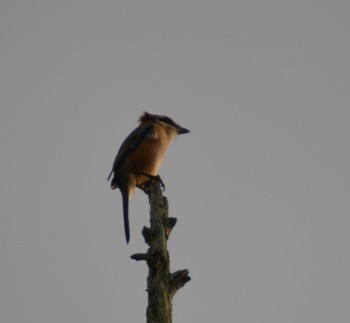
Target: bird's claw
158 178
152 178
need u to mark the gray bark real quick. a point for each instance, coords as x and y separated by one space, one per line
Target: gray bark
161 284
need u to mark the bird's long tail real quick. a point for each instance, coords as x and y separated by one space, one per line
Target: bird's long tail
125 197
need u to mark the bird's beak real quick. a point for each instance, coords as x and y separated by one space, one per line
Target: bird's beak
182 131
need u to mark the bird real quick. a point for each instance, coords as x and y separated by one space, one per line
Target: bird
140 156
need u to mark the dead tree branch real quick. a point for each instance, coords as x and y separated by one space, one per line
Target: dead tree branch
161 284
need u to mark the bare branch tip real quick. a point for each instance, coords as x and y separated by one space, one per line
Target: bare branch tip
139 256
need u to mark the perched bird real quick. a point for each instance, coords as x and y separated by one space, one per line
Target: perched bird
140 157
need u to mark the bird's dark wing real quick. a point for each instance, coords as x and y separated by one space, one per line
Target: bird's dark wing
130 144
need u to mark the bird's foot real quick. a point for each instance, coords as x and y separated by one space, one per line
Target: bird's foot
153 178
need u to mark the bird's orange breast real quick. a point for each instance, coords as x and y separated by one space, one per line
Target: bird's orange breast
149 156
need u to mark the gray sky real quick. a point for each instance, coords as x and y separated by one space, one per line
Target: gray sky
260 187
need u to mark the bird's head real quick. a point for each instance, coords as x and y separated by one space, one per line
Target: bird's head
164 121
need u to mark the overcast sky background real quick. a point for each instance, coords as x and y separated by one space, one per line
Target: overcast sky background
260 187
